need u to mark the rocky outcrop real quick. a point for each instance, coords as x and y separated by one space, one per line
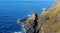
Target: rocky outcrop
30 23
46 22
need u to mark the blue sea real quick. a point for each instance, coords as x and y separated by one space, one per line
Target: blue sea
12 11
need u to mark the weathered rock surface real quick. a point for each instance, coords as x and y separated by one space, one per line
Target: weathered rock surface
30 23
46 22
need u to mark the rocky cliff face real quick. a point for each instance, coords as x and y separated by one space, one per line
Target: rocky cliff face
52 25
46 22
30 23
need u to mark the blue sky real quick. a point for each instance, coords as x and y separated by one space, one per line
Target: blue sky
12 1
26 0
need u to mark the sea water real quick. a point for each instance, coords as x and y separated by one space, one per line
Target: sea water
12 11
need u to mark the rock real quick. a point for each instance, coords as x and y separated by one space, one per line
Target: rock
51 25
46 22
30 23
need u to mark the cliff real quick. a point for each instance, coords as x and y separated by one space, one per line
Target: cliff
46 22
29 24
52 24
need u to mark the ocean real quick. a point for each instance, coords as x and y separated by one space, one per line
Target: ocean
12 11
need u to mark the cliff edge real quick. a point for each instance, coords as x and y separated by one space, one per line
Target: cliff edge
46 22
51 20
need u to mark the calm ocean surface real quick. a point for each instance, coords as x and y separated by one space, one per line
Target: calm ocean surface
12 11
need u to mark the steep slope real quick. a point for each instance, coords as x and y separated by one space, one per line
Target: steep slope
29 24
46 22
51 25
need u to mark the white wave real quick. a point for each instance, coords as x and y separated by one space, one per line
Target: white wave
29 15
17 32
18 21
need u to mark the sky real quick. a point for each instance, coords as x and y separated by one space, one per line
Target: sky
26 0
12 1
